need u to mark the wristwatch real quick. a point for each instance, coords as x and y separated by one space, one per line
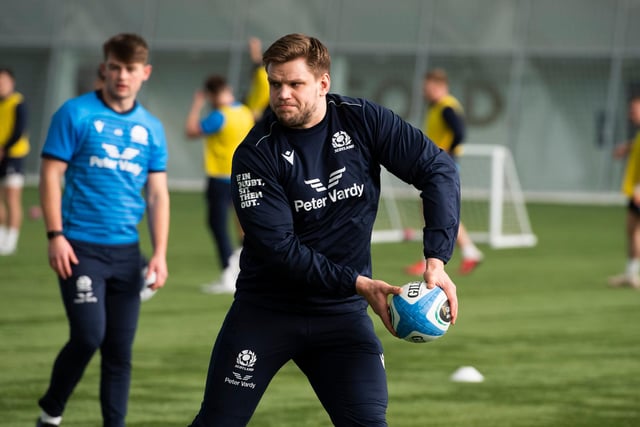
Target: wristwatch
54 233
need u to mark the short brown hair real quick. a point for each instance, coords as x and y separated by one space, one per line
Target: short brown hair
8 71
296 45
127 47
438 75
214 84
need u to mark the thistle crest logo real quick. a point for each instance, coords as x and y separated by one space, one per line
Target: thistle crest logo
341 141
83 284
84 291
245 361
246 358
139 135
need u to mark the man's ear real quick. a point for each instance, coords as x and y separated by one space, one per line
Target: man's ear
325 83
147 71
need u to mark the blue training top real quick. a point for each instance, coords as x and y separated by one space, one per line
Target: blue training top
109 156
307 201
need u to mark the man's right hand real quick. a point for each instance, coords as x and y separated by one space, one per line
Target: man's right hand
376 293
61 256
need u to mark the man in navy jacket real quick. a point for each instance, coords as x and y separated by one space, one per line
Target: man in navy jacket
306 185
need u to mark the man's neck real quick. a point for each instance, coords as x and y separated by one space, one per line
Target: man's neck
118 105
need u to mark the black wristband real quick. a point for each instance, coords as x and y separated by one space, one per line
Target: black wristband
52 234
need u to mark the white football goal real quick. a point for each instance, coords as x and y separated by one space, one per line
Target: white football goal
493 208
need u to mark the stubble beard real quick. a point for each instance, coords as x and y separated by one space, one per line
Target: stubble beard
296 120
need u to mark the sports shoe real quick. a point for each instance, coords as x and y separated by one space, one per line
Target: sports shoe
40 423
9 244
6 250
227 283
416 269
217 288
468 265
624 281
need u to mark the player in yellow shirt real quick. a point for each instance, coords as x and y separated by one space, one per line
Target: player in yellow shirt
223 128
257 98
631 189
444 125
14 147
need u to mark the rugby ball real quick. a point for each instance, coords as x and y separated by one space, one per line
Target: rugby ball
418 314
146 293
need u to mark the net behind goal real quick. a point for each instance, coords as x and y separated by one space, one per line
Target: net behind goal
493 208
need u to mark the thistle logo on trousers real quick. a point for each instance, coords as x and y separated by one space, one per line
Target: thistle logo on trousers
245 361
84 291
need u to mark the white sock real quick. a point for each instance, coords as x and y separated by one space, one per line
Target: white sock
3 235
633 267
46 418
10 241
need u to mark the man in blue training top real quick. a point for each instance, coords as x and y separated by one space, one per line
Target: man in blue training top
105 149
305 185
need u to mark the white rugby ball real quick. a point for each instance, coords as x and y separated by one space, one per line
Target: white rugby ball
146 293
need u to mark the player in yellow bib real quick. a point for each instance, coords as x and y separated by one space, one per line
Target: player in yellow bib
444 125
257 98
14 147
631 189
223 128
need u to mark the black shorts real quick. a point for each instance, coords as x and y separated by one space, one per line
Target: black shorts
11 166
633 208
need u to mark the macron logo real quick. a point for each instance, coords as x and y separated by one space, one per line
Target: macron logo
288 156
334 179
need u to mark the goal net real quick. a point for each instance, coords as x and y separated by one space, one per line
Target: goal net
493 208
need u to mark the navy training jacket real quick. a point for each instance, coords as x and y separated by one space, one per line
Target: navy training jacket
307 201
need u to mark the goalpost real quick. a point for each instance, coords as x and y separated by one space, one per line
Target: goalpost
493 208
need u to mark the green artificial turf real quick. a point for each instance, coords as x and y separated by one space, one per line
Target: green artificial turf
556 346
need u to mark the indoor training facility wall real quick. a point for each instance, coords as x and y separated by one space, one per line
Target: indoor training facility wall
548 79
